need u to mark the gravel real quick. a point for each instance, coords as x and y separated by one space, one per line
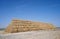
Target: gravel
41 34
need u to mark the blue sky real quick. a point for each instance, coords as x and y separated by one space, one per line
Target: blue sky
35 10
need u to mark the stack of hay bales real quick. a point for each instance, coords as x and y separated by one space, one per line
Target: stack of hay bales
24 25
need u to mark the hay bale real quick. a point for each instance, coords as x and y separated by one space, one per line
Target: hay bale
22 26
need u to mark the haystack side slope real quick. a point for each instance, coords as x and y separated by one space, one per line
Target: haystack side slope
24 25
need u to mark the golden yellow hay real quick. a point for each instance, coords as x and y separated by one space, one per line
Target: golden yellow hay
24 25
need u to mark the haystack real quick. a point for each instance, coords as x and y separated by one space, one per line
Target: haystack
24 25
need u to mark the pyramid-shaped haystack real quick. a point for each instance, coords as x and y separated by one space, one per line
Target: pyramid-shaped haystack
24 25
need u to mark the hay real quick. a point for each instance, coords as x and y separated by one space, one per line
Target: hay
24 25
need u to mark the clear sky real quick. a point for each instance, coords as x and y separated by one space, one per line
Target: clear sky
35 10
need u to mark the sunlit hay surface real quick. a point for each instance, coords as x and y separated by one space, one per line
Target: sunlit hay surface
25 25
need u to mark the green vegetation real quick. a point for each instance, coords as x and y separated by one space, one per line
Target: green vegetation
2 28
